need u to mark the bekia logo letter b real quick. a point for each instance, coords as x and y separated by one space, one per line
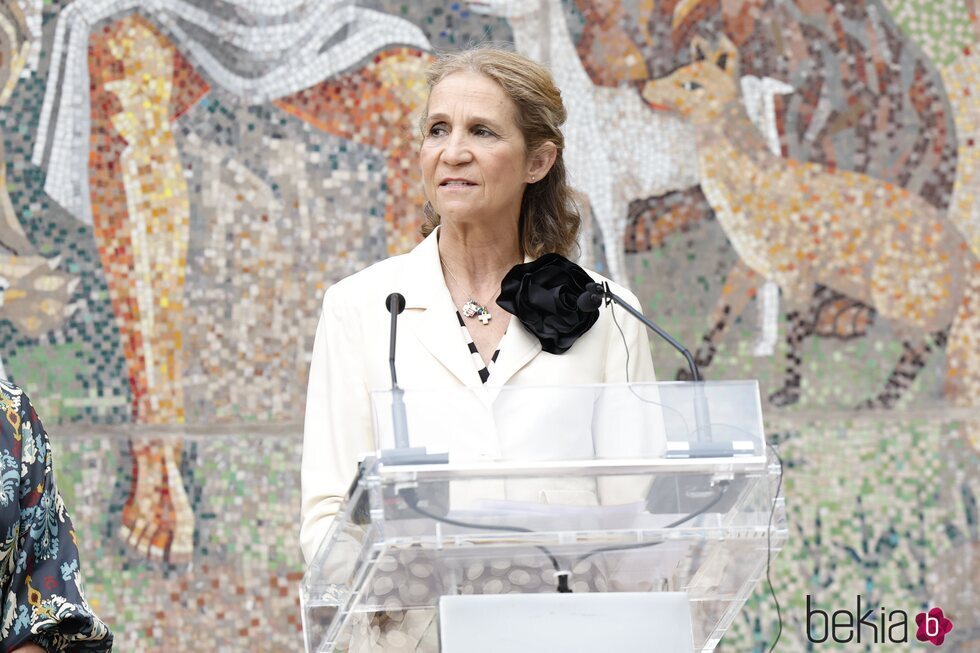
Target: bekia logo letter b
933 626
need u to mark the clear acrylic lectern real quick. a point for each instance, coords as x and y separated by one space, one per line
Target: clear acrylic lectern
651 487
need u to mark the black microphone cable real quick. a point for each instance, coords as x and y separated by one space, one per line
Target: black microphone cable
772 588
596 296
412 501
723 485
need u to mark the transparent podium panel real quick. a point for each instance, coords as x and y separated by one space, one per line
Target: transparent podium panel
640 488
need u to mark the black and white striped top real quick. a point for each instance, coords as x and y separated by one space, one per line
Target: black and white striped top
482 370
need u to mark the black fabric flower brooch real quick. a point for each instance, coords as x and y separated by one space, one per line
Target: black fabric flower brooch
542 294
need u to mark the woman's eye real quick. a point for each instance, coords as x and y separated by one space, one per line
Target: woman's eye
482 131
437 130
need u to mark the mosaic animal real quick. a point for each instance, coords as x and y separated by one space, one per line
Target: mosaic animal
805 226
616 149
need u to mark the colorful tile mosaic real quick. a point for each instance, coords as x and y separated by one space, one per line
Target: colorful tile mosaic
180 182
881 508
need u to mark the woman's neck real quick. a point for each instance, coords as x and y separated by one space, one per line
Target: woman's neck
478 259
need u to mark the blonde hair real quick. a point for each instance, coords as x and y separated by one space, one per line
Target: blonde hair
549 221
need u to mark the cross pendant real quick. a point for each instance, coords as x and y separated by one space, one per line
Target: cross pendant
484 317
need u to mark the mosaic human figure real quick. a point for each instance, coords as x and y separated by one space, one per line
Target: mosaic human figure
34 293
144 252
375 103
617 149
803 226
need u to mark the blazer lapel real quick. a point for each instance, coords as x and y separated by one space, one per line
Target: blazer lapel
436 326
518 347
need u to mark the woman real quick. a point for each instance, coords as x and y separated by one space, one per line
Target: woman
43 605
497 196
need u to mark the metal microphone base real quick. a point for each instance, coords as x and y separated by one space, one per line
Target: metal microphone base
709 449
411 456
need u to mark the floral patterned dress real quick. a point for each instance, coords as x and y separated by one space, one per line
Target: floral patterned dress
42 600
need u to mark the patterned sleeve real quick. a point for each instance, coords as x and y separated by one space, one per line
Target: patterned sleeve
39 572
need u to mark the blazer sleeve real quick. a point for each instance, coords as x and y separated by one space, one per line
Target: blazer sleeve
337 431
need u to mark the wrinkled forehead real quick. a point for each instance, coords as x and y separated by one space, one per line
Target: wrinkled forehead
467 92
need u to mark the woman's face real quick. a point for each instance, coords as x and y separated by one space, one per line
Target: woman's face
474 165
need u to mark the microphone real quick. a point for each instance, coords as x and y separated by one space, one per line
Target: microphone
404 502
403 453
690 494
397 299
598 293
591 299
434 495
395 303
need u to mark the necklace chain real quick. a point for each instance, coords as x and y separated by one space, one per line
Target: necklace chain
473 308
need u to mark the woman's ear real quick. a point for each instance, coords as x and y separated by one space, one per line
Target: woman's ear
541 161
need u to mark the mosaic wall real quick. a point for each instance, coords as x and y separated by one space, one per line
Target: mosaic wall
789 186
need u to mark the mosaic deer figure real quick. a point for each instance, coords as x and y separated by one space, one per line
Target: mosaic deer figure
616 149
805 226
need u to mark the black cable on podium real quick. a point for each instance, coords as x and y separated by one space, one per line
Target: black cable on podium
411 500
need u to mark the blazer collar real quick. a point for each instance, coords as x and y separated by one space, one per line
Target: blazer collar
437 329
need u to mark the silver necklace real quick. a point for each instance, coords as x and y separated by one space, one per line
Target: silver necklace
472 308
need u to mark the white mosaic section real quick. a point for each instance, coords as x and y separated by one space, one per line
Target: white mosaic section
291 50
617 148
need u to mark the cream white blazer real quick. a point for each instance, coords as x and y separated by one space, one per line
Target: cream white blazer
350 359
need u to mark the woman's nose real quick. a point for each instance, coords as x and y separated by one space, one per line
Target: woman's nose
457 150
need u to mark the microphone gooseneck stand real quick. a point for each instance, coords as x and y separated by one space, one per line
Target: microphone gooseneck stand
395 303
597 294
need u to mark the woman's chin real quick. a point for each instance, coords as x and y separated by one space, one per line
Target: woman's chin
460 211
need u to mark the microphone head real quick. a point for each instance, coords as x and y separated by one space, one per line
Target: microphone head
589 301
395 302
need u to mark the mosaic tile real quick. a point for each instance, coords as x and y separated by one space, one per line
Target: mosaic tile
941 28
164 248
289 209
858 531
